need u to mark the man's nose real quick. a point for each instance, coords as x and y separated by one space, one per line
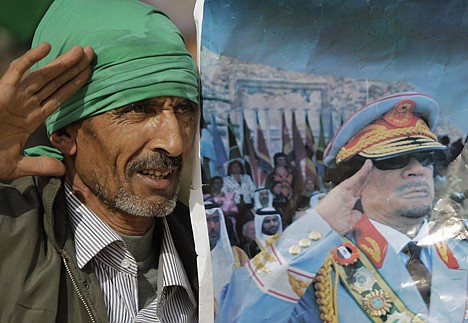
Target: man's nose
167 133
210 224
414 167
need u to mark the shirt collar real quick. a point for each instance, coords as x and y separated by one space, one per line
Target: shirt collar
92 236
398 240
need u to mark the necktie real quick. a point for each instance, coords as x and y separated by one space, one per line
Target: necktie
418 271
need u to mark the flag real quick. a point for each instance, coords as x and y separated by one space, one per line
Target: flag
310 170
263 155
287 144
220 151
331 127
207 154
299 150
320 147
234 151
321 140
249 152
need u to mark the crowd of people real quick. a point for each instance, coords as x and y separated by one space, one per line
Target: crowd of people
284 194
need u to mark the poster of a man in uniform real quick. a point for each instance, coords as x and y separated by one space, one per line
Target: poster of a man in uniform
365 101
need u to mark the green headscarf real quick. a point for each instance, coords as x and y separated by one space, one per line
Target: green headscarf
140 54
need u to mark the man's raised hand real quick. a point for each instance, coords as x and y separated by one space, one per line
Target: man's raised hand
27 99
337 207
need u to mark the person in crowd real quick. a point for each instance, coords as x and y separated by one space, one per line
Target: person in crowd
268 227
310 187
98 234
240 183
284 173
227 204
280 201
263 198
216 195
367 248
224 257
248 233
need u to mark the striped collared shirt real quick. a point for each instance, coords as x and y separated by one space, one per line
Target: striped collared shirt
116 270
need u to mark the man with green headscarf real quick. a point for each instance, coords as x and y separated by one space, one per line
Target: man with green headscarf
108 241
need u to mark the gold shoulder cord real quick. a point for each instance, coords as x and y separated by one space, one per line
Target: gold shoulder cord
325 293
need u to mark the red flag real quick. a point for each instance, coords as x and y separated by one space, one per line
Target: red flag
234 151
287 144
299 150
249 152
263 155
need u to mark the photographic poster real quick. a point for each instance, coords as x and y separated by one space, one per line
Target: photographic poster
291 92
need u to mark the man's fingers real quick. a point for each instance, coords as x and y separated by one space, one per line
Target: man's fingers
41 77
54 101
21 65
40 166
357 182
66 76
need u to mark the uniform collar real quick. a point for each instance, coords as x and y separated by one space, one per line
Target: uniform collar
398 240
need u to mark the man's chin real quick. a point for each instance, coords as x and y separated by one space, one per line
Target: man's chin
416 212
145 207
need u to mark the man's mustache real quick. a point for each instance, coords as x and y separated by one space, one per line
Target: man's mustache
412 185
155 161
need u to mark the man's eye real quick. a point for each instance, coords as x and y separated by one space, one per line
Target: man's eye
138 109
185 107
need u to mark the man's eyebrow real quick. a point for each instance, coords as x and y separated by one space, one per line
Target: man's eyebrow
139 103
187 102
159 101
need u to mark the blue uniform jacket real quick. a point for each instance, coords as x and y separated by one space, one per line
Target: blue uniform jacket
276 285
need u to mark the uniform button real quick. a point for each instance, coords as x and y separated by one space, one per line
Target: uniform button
315 235
125 263
304 243
294 250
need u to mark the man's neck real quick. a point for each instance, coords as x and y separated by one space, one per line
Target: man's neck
118 221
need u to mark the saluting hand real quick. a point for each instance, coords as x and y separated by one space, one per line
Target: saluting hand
337 207
27 99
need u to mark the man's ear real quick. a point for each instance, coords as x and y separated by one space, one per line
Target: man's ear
64 140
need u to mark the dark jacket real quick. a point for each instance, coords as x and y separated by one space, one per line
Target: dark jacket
39 278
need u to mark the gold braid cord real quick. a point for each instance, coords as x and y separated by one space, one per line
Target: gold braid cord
377 133
325 293
299 286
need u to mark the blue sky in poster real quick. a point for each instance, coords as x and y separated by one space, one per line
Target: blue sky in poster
424 42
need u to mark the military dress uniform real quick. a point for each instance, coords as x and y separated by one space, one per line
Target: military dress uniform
314 274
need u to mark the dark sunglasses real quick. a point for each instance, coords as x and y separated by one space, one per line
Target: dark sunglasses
424 158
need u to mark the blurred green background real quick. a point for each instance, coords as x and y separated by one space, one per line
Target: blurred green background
20 18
